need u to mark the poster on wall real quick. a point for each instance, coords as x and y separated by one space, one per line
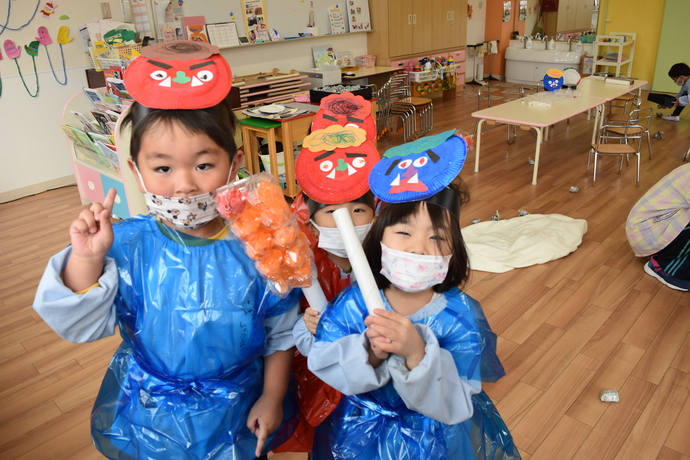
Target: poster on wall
507 7
337 20
523 10
255 23
358 15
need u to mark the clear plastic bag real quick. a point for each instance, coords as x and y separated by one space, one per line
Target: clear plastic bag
260 217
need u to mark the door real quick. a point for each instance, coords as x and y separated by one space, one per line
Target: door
424 19
400 27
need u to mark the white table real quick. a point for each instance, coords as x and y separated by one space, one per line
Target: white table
594 93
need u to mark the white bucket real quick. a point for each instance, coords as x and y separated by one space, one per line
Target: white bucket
266 160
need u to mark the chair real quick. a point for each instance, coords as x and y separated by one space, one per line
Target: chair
639 117
618 143
408 109
627 102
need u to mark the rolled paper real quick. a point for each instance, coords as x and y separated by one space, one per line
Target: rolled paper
315 296
358 261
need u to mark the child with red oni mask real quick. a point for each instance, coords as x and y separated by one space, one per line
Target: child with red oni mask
332 170
204 365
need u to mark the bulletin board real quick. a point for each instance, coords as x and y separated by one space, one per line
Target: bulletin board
288 17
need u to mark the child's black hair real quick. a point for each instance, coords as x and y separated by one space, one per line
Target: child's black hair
217 122
444 223
679 70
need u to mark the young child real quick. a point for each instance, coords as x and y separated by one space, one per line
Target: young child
204 364
680 74
331 177
412 374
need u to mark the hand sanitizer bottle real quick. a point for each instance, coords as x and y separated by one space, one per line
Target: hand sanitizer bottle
552 44
528 43
578 46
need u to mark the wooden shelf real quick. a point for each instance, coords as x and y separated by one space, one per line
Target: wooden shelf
289 40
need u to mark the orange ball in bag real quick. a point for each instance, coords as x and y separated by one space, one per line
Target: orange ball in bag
248 222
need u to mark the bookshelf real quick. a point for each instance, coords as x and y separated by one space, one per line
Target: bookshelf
95 172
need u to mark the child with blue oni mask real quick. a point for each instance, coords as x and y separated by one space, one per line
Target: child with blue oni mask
203 368
411 374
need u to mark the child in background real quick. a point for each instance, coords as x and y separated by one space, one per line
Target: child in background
332 170
203 368
411 375
680 74
658 227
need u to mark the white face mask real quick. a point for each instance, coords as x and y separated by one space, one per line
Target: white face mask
187 213
679 82
330 240
413 272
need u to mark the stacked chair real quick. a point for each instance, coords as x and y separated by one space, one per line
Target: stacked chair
415 115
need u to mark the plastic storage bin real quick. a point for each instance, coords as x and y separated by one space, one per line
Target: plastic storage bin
425 75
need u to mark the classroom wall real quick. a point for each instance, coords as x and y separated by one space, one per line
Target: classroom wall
475 34
670 50
642 17
496 29
33 150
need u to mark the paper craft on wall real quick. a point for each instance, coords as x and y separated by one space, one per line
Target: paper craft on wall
45 40
197 33
507 7
323 55
523 10
192 25
4 27
345 59
13 52
255 22
358 15
337 20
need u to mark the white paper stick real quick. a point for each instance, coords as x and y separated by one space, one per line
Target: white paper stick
358 261
315 296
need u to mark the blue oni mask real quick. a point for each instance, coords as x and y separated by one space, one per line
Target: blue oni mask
418 170
553 80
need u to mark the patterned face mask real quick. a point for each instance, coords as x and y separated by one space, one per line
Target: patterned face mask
413 272
189 213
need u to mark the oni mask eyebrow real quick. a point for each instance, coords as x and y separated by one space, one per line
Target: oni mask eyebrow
162 65
355 155
393 166
324 155
203 64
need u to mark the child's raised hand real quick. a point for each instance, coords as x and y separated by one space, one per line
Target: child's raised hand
92 233
311 319
403 336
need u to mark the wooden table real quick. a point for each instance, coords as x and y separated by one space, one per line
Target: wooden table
377 75
594 94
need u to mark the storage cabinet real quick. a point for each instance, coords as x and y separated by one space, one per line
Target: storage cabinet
404 28
616 42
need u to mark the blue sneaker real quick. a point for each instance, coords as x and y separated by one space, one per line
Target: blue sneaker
653 268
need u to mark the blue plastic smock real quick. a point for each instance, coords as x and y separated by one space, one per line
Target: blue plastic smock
190 365
378 424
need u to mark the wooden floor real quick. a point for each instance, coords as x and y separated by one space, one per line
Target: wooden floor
568 329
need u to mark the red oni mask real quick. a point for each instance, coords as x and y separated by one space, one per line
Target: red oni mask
334 165
345 109
179 75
